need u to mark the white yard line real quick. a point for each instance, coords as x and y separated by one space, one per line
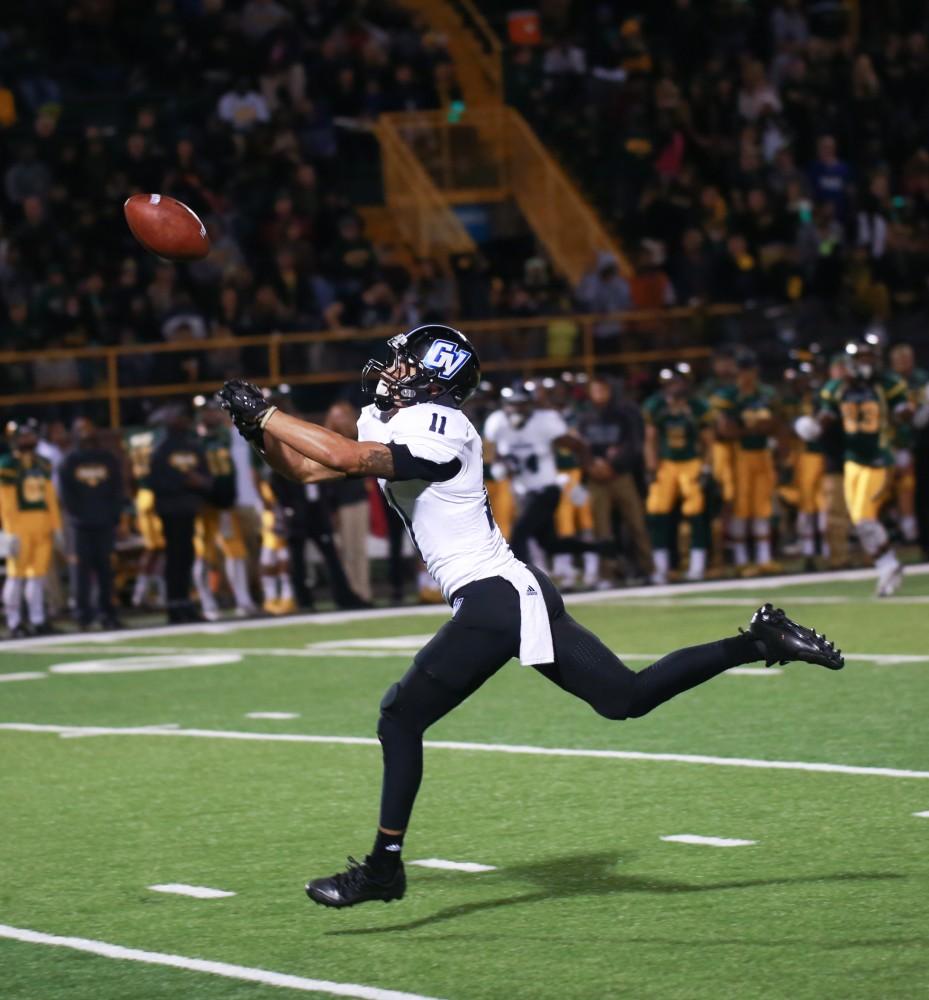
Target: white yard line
922 815
761 586
272 715
695 838
196 891
532 751
224 969
452 866
23 676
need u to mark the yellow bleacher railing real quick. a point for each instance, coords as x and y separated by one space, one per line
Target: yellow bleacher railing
491 154
419 211
516 347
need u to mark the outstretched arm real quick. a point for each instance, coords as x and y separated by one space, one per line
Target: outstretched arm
338 455
290 463
299 449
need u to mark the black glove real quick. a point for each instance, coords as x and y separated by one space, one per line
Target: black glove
246 404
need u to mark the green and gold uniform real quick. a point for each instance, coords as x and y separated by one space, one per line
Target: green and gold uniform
864 408
29 510
678 474
217 524
139 446
755 478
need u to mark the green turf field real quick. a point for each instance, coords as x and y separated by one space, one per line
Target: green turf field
586 900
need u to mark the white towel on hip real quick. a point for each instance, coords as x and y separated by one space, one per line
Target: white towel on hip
535 630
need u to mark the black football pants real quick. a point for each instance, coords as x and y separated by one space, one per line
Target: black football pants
537 520
93 547
482 636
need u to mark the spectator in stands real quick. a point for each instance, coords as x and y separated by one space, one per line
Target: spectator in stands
605 290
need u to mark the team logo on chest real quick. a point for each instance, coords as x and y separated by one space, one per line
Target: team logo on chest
445 358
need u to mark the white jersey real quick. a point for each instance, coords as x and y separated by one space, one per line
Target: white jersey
528 450
450 523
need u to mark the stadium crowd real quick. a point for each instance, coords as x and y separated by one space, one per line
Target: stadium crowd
651 480
749 152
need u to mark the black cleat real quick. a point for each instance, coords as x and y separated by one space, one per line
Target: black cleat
784 640
356 884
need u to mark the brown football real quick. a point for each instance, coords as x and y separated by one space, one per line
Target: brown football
166 227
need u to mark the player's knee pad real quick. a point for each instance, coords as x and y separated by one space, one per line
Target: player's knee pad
872 536
761 527
412 704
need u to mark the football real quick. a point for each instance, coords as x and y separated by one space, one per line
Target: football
166 227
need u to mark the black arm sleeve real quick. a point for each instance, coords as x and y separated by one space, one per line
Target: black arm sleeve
408 466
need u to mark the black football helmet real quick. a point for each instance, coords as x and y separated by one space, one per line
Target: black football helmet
431 364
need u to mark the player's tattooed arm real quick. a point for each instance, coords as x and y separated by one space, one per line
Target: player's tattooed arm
337 455
291 464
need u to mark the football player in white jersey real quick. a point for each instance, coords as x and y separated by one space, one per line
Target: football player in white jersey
523 439
427 458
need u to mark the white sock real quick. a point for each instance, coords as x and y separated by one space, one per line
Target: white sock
805 533
268 588
662 560
563 567
760 529
161 589
537 555
13 601
591 567
202 583
285 585
738 531
140 589
887 560
822 522
909 527
697 566
35 593
237 574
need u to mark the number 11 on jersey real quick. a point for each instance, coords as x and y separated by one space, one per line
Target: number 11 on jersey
438 423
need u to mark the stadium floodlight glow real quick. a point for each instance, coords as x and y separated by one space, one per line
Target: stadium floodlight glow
506 392
283 389
199 400
872 338
548 383
683 367
567 376
665 374
530 386
851 348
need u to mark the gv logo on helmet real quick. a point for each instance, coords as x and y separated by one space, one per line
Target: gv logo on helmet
446 358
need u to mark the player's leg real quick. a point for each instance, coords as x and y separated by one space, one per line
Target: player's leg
586 668
764 482
741 510
563 568
628 501
13 599
536 520
35 572
905 488
232 545
662 496
693 507
865 491
204 547
464 653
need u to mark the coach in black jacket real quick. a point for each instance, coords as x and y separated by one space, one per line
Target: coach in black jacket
91 482
180 480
